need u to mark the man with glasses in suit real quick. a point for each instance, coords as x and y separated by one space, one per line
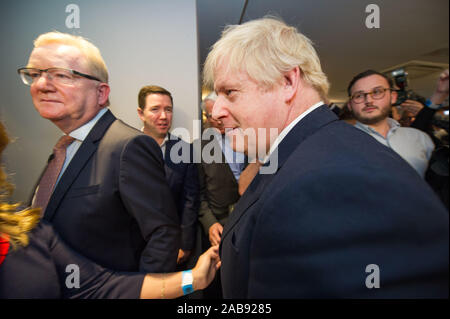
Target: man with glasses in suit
104 188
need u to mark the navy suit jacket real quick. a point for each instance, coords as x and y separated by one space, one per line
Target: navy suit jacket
338 203
40 270
113 205
182 178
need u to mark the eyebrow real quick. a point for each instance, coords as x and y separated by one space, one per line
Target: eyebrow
376 87
218 88
159 105
226 86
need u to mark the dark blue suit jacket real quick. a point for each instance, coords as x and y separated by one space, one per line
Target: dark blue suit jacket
339 201
182 178
113 205
40 270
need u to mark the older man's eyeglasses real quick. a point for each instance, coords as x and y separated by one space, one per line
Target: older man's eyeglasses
57 75
377 94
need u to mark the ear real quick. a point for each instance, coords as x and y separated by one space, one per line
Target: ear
349 106
141 114
394 96
103 93
290 84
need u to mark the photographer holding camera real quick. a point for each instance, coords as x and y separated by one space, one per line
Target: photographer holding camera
414 110
438 172
425 118
408 103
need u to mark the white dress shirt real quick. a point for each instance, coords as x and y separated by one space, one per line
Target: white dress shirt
412 145
288 128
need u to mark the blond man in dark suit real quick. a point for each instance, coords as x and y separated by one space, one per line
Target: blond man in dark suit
111 201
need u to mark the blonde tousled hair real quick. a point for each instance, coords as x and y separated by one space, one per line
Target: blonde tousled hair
266 48
15 224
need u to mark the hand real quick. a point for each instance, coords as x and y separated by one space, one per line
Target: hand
206 268
215 232
442 85
441 92
412 106
395 113
168 285
183 255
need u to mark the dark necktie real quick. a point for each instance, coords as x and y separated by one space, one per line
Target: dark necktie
48 180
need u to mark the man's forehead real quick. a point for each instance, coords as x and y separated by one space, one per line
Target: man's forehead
223 80
230 78
157 99
56 53
369 82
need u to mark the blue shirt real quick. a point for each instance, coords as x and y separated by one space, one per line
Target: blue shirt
236 160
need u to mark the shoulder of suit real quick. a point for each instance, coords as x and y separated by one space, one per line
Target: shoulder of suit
123 130
120 133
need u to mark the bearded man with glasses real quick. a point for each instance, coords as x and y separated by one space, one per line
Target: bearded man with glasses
104 188
370 100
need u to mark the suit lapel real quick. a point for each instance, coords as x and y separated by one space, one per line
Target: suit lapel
228 169
306 127
169 143
30 200
250 196
168 163
222 166
300 132
84 153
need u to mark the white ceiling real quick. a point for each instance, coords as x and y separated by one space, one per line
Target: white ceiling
409 30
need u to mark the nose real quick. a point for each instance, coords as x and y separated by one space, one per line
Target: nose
219 109
163 114
43 82
366 98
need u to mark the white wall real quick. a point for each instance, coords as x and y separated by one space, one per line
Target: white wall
142 43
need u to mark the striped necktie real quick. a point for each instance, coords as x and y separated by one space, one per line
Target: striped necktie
48 180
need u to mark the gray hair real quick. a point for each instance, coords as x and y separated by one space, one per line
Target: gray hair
211 96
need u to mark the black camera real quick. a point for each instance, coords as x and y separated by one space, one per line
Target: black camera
400 78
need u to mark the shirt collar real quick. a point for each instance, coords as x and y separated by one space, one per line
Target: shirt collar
393 126
82 132
288 128
164 141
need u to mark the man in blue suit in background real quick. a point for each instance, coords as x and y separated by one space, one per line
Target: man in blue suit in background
156 111
340 216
